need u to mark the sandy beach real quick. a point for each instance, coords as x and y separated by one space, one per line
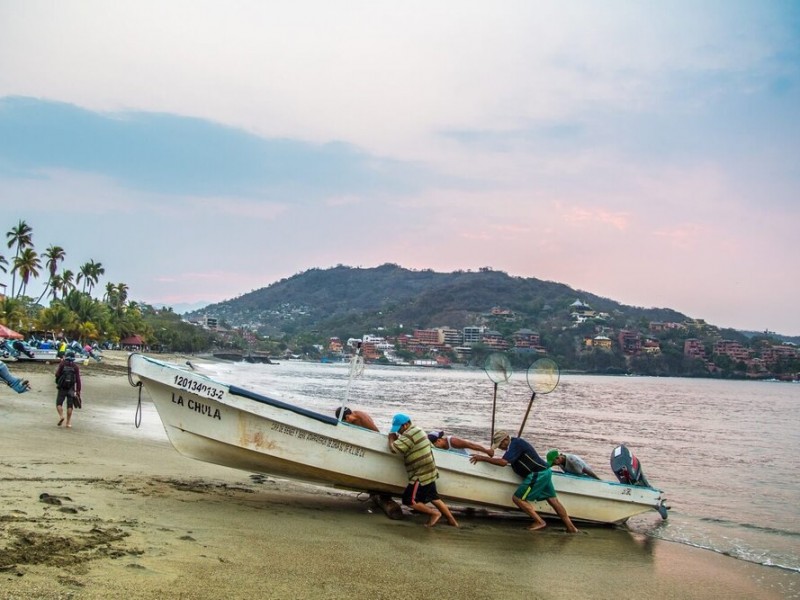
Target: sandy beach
104 510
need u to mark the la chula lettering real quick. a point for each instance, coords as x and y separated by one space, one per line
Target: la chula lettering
198 407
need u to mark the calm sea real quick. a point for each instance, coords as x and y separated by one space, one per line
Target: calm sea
726 452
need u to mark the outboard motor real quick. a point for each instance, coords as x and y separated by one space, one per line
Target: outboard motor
627 467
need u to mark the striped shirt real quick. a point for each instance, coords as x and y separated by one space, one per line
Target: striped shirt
415 447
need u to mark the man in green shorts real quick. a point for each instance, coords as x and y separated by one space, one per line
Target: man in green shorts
537 482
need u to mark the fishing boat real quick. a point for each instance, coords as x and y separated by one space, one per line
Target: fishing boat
224 424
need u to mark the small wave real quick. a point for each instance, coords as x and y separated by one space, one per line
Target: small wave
753 526
739 555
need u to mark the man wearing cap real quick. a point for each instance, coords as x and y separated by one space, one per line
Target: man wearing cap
537 482
456 444
412 442
570 463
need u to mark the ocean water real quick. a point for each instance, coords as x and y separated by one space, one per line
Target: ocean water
727 453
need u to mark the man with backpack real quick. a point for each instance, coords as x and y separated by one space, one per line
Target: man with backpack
68 380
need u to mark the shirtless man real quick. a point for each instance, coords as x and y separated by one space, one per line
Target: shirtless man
356 417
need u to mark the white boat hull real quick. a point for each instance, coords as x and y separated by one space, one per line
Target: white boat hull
222 424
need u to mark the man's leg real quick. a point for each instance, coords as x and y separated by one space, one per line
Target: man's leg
527 508
434 514
445 510
562 512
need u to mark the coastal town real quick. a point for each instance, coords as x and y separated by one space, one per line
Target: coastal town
596 344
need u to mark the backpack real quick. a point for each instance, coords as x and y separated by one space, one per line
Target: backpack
66 381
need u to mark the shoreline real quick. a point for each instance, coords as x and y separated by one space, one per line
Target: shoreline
125 515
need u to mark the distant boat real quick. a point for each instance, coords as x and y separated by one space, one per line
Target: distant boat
240 357
220 423
22 351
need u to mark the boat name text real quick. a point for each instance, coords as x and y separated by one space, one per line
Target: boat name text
198 407
319 439
198 387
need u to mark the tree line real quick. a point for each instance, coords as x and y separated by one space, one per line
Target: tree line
71 309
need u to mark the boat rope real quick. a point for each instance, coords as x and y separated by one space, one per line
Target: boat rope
137 419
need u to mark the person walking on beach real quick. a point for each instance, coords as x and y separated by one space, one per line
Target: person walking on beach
68 380
356 417
15 383
412 442
456 444
537 482
570 463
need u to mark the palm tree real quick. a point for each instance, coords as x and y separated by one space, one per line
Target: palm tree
56 283
27 264
67 285
90 273
54 255
12 312
20 236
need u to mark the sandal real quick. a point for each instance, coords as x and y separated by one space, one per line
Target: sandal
60 421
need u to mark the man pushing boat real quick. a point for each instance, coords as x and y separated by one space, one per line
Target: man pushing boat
537 482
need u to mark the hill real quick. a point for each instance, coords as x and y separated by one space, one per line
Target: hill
349 301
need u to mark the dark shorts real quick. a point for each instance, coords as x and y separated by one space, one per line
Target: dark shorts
415 492
537 486
67 395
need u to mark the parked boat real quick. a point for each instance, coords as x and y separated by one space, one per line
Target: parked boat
216 422
22 351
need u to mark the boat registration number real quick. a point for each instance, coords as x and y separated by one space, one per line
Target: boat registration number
199 387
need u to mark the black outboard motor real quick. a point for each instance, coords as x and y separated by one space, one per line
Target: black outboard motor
627 467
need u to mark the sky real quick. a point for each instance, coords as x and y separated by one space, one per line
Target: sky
645 152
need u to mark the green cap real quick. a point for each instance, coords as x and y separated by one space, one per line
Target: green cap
552 455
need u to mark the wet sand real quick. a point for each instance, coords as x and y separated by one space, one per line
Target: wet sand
105 510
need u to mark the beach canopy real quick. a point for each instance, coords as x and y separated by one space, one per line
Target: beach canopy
132 340
10 334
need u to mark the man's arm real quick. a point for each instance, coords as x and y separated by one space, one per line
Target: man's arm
588 471
392 439
457 442
495 460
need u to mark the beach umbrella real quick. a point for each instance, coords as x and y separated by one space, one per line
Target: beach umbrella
10 334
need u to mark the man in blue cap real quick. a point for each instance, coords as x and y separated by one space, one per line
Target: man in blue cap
412 442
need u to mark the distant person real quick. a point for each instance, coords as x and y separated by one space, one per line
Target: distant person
356 417
62 348
89 351
412 442
21 349
537 482
456 444
68 380
570 463
18 385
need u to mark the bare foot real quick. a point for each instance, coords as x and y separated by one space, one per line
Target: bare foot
433 520
69 425
537 526
453 523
